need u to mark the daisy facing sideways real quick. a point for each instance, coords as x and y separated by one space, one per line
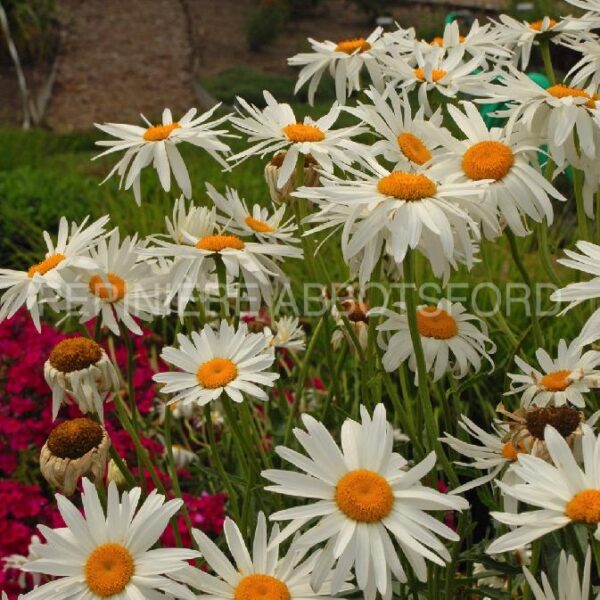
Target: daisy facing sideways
259 573
561 381
368 504
563 493
100 555
44 281
230 361
276 128
157 145
454 341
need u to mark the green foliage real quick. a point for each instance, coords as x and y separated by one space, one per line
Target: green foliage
373 8
265 24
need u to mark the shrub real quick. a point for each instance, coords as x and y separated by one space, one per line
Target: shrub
265 24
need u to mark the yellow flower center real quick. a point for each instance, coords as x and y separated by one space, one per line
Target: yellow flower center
351 46
439 40
557 381
436 74
75 438
160 132
511 453
433 322
108 570
564 91
258 225
216 373
261 587
216 243
46 265
488 160
74 354
301 132
364 496
584 507
406 186
537 25
110 288
413 148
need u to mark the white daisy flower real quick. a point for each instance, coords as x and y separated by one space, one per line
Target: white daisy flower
229 361
561 381
18 561
522 35
587 69
43 281
447 73
452 343
79 368
408 142
157 144
366 499
592 5
563 492
570 587
502 158
493 453
109 555
287 334
276 128
259 572
188 220
396 210
120 288
344 61
257 221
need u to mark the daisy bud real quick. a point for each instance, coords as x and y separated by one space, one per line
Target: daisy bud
115 474
284 194
81 368
74 449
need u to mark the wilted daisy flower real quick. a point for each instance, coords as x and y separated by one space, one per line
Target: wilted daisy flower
98 556
257 221
74 449
229 361
157 144
452 343
276 128
287 333
366 498
357 313
120 287
563 492
407 141
447 73
79 368
399 208
259 572
522 35
283 194
570 587
44 280
344 61
498 155
561 380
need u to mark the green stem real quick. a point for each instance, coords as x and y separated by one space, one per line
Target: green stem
582 225
547 58
544 248
125 471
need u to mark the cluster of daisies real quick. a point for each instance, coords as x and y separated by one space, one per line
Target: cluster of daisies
417 187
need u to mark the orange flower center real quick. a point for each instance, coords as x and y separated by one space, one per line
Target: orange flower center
160 132
439 40
557 381
46 265
413 148
564 91
258 225
110 288
433 322
511 453
488 160
364 496
261 587
216 373
436 74
217 243
537 25
406 186
584 507
74 354
108 570
351 46
301 132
